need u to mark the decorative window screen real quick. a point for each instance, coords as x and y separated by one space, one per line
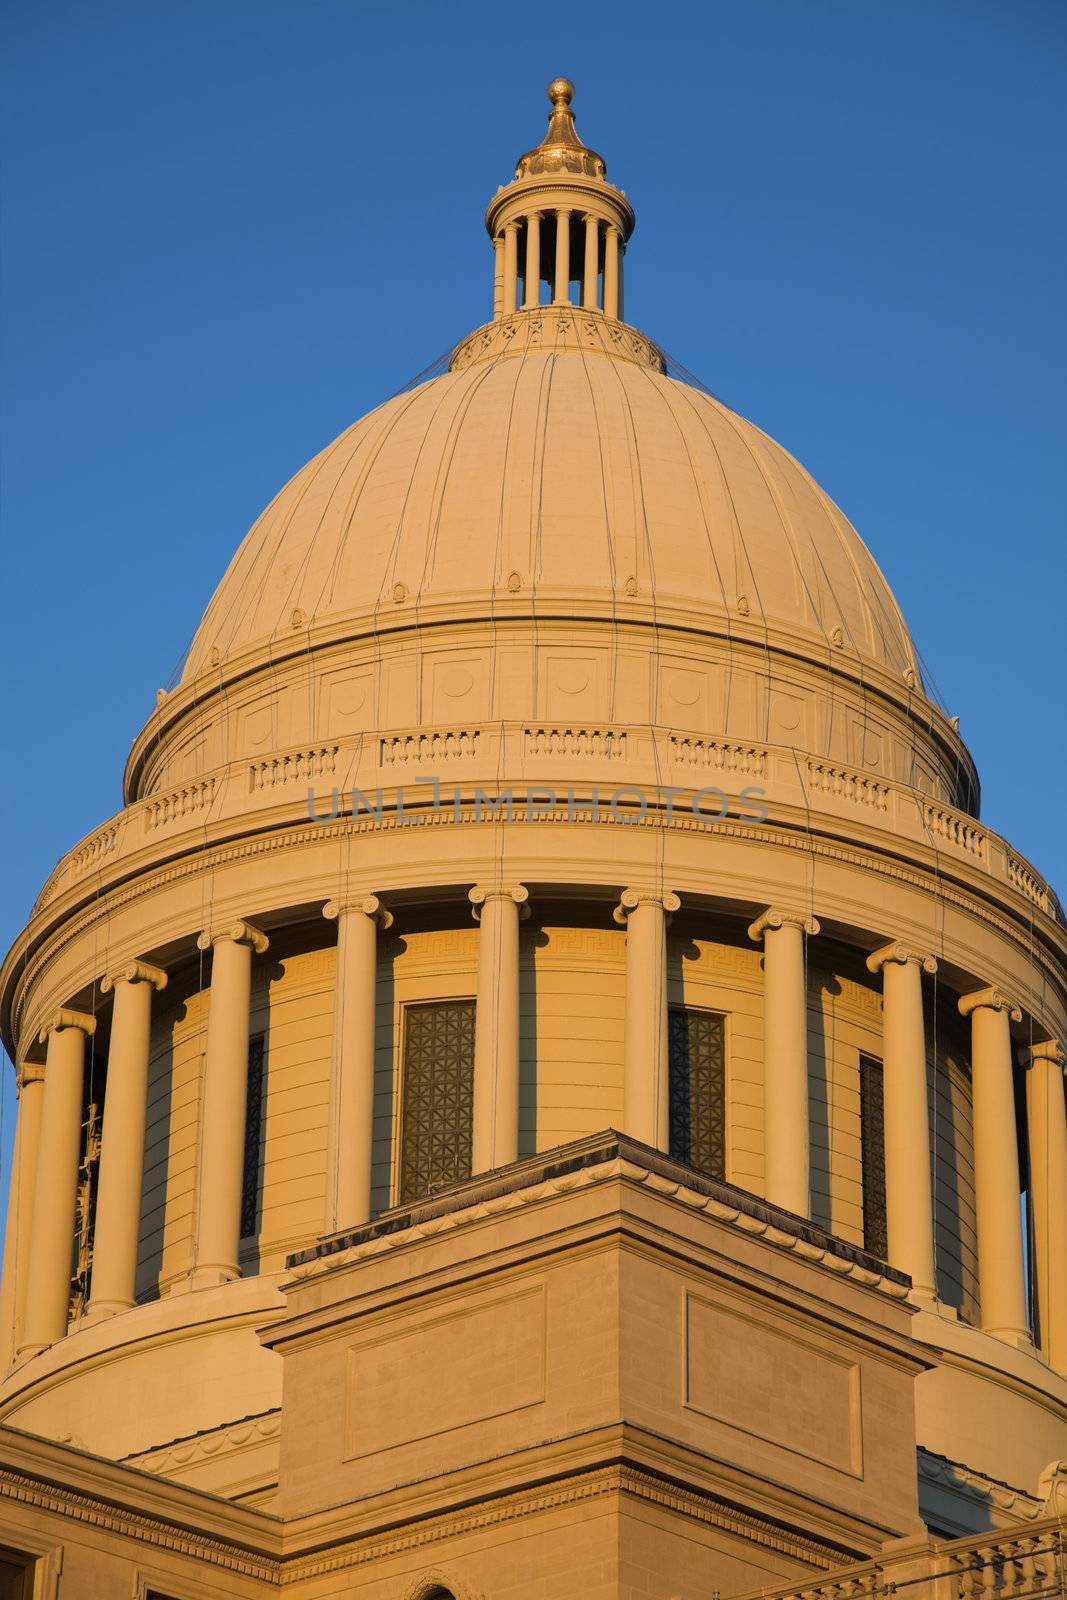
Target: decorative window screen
253 1135
697 1057
437 1096
872 1150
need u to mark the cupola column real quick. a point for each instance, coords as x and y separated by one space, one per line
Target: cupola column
29 1080
532 285
562 289
498 275
222 1129
351 1127
619 306
1047 1123
996 1165
908 1191
612 241
786 1140
56 1180
646 1084
495 1139
592 262
118 1200
511 266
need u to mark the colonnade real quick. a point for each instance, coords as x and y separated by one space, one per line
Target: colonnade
598 237
40 1235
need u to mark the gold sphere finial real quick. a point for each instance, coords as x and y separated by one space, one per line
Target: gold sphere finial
561 91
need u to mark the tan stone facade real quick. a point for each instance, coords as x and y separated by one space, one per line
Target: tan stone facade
552 760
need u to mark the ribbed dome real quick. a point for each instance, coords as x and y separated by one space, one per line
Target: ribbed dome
560 474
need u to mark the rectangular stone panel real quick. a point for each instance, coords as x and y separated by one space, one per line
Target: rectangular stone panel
448 1371
763 1380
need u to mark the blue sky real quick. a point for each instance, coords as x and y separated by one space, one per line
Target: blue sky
230 229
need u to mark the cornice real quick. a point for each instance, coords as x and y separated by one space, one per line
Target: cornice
603 1158
165 1460
280 1556
940 1469
28 959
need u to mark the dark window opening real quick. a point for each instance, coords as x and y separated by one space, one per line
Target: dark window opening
872 1152
697 1067
16 1575
437 1110
253 1137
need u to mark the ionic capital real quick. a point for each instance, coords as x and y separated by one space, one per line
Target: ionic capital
65 1018
134 972
512 226
534 216
630 899
28 1072
482 892
563 212
896 950
369 906
993 998
238 933
773 918
1049 1050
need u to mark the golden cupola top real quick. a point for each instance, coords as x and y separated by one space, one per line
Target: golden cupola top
561 150
559 229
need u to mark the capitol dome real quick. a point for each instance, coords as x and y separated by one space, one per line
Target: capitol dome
557 468
550 994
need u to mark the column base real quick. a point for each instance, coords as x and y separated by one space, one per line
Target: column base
1018 1338
211 1277
28 1351
99 1311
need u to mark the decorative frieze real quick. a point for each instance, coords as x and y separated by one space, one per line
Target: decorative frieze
607 743
183 802
747 759
844 784
293 766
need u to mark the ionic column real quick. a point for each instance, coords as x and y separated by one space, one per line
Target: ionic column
222 1132
56 1180
118 1198
29 1079
619 309
1001 1283
785 1058
611 271
351 1132
532 296
908 1188
561 293
592 262
495 1141
498 275
646 1083
511 266
1047 1124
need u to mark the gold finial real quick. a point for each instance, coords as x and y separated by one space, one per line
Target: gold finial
561 150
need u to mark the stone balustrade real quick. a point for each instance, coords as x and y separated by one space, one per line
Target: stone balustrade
1020 1565
469 757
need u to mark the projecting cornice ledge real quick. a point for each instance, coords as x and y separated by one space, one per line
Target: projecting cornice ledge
607 1154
